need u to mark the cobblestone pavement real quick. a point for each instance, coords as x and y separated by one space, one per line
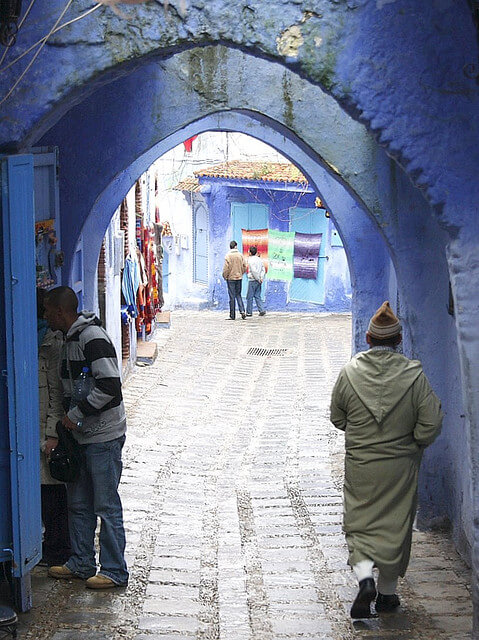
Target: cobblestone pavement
232 499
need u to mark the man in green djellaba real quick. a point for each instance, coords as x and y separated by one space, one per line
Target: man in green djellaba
389 413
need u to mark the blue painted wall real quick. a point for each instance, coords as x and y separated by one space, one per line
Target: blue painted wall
358 183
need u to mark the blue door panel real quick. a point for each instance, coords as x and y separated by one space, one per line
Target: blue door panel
200 246
166 270
247 216
21 359
6 542
309 221
76 281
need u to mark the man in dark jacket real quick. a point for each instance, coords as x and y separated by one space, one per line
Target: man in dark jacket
98 423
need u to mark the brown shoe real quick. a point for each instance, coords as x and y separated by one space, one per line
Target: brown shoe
61 572
101 582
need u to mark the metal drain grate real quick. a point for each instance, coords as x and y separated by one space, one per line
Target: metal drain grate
258 351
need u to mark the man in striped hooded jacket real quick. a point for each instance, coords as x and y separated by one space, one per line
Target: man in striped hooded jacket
98 423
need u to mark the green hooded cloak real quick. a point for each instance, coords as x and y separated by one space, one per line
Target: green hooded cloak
385 404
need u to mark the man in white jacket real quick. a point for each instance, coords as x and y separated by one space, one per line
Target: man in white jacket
256 273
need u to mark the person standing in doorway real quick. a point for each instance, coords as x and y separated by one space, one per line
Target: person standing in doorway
98 423
233 270
56 537
256 273
385 404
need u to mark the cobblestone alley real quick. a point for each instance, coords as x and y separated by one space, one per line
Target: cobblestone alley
232 499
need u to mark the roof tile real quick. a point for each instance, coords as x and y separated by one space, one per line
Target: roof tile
265 171
188 184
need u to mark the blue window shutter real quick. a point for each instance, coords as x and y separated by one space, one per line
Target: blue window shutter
21 356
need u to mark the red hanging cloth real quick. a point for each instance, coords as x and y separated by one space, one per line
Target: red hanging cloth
188 144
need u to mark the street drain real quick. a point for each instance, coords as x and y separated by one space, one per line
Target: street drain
258 351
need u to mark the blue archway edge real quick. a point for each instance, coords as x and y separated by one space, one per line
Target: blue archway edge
372 272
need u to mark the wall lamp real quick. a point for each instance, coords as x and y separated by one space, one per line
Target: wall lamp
9 13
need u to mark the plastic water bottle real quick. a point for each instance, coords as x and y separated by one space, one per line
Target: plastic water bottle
81 387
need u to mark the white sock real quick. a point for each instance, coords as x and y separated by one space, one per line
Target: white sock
387 587
364 569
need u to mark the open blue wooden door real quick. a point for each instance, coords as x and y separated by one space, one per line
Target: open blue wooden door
20 368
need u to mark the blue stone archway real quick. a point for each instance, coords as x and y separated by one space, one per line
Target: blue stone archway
372 273
109 139
405 69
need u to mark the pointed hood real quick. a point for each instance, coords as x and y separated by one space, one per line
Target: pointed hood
381 379
85 319
384 324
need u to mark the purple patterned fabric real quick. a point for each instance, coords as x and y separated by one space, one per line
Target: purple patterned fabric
306 255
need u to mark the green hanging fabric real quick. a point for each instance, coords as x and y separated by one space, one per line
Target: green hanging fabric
280 255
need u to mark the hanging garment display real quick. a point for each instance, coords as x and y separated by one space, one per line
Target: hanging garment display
141 298
256 238
129 285
149 288
306 255
280 255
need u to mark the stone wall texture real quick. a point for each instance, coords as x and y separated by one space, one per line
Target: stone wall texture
375 100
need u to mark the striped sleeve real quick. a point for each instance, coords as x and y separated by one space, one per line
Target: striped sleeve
100 356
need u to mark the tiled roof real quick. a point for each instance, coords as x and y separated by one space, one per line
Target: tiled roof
188 184
265 171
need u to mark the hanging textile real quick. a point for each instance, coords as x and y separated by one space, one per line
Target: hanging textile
306 255
280 255
129 285
188 144
256 238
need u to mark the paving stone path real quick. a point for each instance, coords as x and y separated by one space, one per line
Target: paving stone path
232 499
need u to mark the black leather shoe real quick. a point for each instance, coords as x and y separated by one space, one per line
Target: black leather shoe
386 603
243 315
366 594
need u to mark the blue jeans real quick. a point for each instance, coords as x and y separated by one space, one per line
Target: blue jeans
234 292
254 291
95 495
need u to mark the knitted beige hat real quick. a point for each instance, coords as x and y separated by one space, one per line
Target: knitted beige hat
384 324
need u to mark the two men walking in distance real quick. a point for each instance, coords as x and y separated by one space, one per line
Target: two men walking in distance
389 413
235 266
98 423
